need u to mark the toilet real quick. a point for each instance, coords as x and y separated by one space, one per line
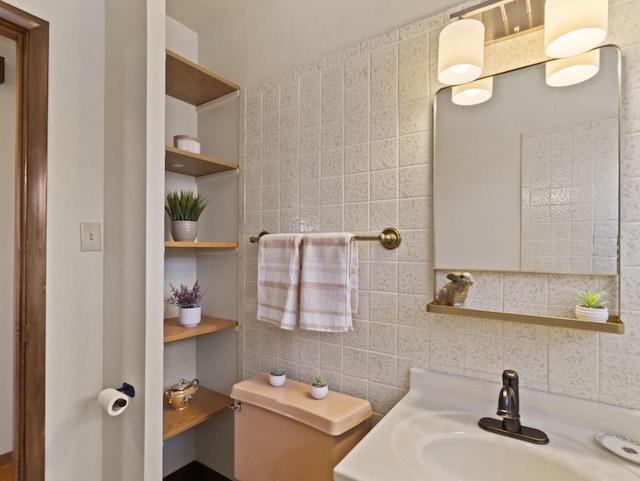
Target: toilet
283 434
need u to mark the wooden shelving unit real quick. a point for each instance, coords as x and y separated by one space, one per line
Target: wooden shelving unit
189 82
202 245
173 331
189 163
613 326
204 405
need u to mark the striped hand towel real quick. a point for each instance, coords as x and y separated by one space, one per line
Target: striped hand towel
279 279
329 282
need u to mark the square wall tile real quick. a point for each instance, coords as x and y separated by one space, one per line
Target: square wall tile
382 368
356 159
384 154
413 52
384 184
383 307
413 343
356 217
383 337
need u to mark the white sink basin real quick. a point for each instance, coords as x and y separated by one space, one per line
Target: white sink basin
474 457
432 434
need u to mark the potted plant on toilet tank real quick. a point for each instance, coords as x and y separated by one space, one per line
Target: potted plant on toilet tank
591 306
184 209
319 388
277 377
188 300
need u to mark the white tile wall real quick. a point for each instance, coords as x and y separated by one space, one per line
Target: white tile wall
345 143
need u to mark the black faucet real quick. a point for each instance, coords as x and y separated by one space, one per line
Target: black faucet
509 402
509 410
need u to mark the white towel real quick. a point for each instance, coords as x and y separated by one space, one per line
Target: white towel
279 279
329 282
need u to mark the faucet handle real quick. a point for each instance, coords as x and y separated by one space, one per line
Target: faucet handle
509 378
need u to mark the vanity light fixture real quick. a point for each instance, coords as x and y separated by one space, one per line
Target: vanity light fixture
461 52
574 26
473 93
572 70
461 44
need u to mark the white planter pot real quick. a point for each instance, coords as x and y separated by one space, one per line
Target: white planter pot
277 380
184 230
190 316
319 392
589 314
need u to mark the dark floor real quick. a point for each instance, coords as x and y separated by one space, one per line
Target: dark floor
195 471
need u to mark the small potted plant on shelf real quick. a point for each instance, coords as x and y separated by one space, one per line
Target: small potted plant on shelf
319 388
184 209
188 300
277 377
591 306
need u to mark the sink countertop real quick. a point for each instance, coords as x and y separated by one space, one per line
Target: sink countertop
442 405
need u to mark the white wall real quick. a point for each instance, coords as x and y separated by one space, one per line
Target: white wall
133 181
74 278
154 332
7 218
272 36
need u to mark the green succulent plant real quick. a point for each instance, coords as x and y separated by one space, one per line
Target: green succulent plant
591 299
276 371
184 205
318 382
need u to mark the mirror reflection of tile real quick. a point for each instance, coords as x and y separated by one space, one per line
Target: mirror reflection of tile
570 198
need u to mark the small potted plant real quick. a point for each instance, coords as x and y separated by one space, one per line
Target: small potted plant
591 306
188 300
277 377
184 209
319 388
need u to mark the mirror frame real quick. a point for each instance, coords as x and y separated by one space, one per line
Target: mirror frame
614 325
32 38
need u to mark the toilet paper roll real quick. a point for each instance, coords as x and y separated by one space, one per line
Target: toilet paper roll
113 401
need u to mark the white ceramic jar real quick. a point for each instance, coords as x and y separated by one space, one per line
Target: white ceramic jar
187 142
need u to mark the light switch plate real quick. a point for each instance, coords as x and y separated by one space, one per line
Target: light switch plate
90 236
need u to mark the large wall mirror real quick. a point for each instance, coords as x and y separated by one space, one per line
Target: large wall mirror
528 181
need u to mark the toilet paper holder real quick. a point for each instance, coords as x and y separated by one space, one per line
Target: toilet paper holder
115 401
127 389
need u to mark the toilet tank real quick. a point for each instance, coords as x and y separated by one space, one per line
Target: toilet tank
283 434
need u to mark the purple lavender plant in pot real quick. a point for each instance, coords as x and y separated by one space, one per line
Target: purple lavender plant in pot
188 300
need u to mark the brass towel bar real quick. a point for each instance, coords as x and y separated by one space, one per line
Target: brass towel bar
390 238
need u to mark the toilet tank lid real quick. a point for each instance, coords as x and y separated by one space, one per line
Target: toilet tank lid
333 415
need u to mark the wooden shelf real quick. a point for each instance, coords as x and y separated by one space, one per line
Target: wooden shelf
614 325
173 331
189 163
189 82
204 405
202 245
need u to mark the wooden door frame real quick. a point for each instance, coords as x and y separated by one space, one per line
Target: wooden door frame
32 83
